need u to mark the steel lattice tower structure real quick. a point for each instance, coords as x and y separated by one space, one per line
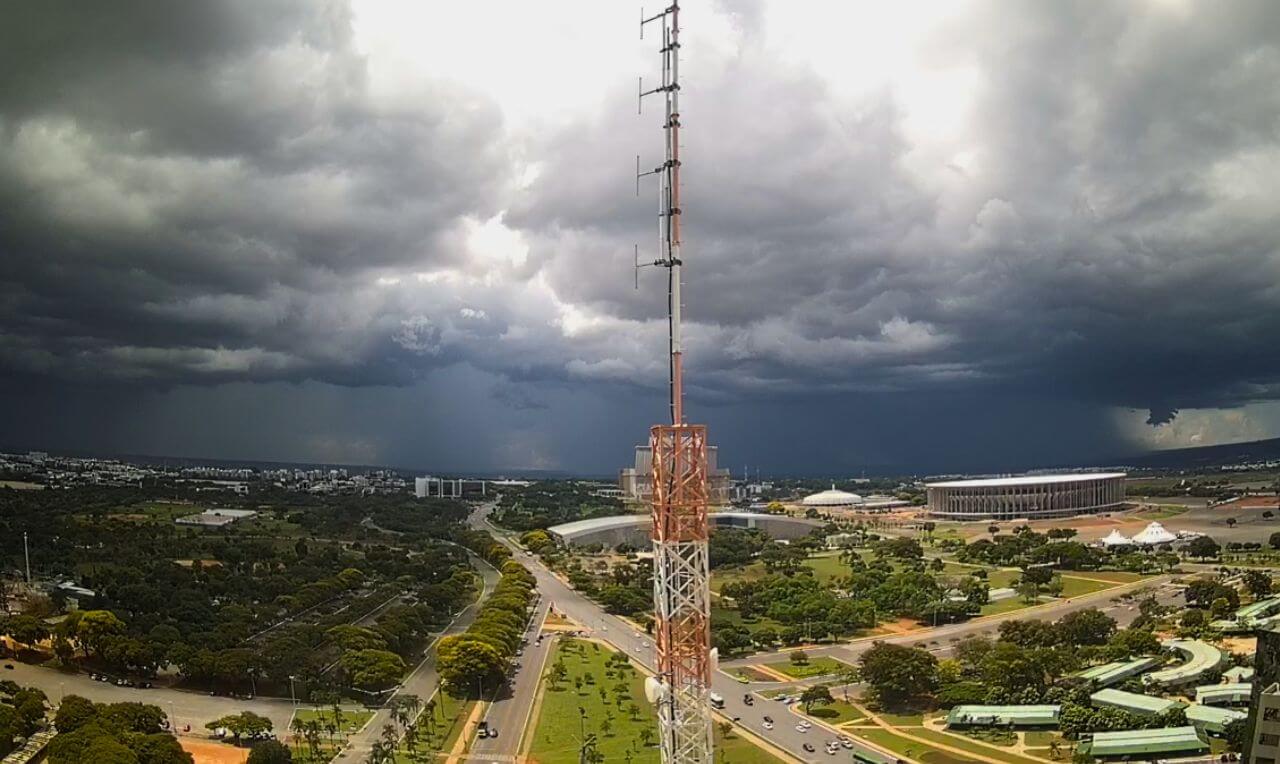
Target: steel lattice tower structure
681 595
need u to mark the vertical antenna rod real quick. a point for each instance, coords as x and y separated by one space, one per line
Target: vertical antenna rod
681 595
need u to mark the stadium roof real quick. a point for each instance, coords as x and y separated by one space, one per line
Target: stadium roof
1131 742
1132 701
1212 718
1003 715
1201 657
578 527
1025 480
1237 692
1109 673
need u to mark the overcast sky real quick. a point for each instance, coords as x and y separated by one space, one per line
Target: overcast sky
957 236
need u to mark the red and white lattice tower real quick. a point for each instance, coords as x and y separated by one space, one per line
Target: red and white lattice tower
681 596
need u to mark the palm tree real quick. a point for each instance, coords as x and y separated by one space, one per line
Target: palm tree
298 727
338 717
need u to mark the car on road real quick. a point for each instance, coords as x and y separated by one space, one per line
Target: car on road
845 742
750 701
768 725
9 666
809 747
768 720
832 748
801 728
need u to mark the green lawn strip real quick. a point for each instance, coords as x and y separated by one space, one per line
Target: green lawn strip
1115 576
903 720
352 719
1074 587
819 665
965 744
1042 738
302 754
559 727
448 722
1001 737
909 748
1004 606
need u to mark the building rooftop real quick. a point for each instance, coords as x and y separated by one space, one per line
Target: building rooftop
982 715
1212 718
1201 657
1238 674
832 498
1130 742
1237 692
1132 701
1025 480
1258 609
1109 673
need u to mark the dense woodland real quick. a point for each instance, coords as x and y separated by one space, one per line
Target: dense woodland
549 503
341 592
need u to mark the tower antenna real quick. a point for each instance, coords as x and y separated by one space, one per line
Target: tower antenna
681 595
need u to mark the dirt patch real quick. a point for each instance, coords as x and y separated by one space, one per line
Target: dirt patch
755 675
1243 645
1257 502
900 626
209 752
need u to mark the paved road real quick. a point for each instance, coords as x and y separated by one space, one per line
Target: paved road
639 647
424 679
513 704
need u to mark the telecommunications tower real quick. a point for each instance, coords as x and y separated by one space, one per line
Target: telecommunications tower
681 597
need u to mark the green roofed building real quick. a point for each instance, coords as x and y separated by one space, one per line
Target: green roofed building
1201 658
1238 674
1114 673
1003 716
1235 694
1143 705
1212 720
1176 741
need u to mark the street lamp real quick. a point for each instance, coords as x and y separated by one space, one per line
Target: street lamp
292 696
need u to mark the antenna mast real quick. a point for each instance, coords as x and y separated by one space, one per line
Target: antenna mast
681 593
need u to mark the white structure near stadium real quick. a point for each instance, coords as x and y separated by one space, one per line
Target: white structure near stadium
833 498
1028 497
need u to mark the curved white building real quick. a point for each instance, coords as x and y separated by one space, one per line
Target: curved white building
833 498
1028 497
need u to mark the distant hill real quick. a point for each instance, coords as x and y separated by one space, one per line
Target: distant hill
1206 456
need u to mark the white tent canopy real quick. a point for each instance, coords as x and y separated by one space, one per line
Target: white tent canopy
1116 539
1153 534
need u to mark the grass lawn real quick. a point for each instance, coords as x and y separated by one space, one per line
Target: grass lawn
1117 576
352 718
1074 587
910 748
559 725
1003 606
816 666
965 744
837 713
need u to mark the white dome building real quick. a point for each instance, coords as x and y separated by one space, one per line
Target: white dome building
834 498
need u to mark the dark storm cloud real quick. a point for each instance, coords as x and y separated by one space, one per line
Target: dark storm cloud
1113 238
204 192
198 194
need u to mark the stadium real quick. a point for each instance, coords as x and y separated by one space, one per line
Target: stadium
1029 497
636 529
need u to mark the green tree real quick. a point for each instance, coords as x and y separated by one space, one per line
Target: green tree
270 752
373 669
818 694
73 713
898 674
1203 547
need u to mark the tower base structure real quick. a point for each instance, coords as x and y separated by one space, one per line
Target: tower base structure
681 592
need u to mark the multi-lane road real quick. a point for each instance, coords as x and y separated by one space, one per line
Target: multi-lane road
639 647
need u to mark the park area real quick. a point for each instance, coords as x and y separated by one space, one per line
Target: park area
610 690
831 570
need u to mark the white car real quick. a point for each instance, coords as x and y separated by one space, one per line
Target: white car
806 723
801 728
768 725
